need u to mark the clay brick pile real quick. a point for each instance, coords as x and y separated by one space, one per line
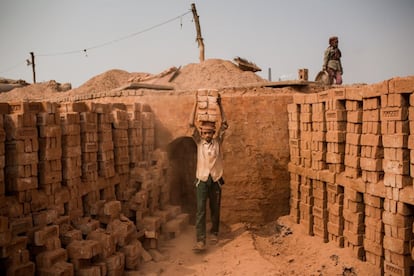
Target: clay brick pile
352 170
82 189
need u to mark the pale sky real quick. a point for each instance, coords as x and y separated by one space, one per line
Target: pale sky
376 37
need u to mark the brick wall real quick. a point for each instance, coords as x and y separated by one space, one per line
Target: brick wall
351 170
82 188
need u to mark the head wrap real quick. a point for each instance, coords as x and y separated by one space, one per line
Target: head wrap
332 39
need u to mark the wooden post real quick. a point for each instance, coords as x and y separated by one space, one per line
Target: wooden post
33 67
198 29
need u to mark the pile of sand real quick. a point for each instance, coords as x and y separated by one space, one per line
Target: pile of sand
212 73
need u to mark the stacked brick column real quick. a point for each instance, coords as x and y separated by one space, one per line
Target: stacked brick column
89 149
22 146
135 134
336 130
306 134
354 227
306 204
295 158
106 162
71 159
353 135
50 148
294 132
335 205
371 142
148 132
120 137
397 216
320 210
374 230
21 171
318 145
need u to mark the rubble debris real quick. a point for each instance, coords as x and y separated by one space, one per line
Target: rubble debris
246 65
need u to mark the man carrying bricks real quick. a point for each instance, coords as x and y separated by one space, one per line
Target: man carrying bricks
209 175
332 61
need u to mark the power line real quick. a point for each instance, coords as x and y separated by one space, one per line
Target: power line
115 40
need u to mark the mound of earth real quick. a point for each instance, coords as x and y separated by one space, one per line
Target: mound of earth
212 73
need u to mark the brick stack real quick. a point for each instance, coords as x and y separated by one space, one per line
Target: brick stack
52 259
306 134
125 237
22 146
335 130
207 108
294 200
354 215
397 216
50 148
71 158
320 210
14 256
398 232
161 175
294 132
411 134
306 205
120 138
106 162
295 158
4 109
353 106
371 142
335 205
89 146
318 146
148 132
126 194
83 254
374 230
135 134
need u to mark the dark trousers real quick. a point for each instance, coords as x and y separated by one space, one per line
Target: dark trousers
212 191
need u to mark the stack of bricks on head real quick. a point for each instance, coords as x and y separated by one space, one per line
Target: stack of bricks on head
208 109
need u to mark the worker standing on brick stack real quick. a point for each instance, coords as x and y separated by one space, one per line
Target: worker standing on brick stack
332 61
209 174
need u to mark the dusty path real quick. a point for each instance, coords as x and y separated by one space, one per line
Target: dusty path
275 249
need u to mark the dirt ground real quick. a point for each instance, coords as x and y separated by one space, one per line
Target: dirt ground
278 248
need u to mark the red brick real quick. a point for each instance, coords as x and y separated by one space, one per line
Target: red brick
48 232
106 240
25 107
84 249
401 85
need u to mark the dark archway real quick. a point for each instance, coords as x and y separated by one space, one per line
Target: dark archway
182 155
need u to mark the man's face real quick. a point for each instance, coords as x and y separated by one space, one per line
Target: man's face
207 135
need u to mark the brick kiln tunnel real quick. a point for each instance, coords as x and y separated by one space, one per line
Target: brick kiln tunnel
90 186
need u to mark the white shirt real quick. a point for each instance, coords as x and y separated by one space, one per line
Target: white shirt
209 156
209 160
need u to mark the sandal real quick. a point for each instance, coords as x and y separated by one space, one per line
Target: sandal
199 246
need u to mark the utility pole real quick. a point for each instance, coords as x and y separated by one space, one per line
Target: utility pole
33 66
198 29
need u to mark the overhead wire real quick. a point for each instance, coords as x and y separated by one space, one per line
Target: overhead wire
85 50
